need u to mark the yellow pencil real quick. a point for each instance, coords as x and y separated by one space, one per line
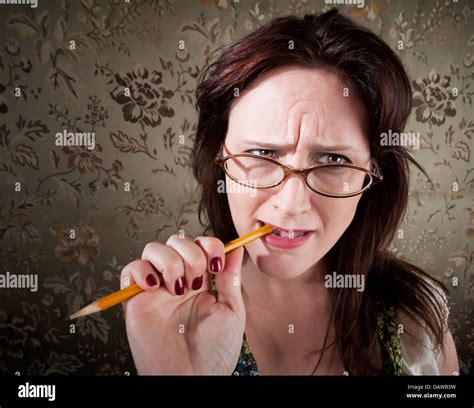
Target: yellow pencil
124 294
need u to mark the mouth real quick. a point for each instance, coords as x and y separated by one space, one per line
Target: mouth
290 233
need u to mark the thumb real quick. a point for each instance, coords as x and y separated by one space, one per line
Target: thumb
228 282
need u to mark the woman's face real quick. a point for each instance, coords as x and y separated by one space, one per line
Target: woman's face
297 116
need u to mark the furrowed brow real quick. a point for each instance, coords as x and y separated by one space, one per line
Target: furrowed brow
317 148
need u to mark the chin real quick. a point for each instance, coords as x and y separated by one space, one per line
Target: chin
282 265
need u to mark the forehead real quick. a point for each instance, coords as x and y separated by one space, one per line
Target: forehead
304 103
276 81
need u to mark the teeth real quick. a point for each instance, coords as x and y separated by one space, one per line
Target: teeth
290 234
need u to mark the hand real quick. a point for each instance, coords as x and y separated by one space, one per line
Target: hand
177 326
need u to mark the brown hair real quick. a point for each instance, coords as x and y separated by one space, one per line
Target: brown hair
373 70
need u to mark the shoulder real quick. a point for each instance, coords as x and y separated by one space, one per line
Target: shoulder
422 353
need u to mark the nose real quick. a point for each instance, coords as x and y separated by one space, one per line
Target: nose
292 196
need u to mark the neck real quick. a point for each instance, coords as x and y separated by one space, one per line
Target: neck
273 306
257 284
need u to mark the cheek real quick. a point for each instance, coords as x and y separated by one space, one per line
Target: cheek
337 214
243 204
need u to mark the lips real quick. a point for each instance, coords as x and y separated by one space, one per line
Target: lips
285 239
290 234
286 233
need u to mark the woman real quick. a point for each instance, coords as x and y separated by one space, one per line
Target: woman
321 294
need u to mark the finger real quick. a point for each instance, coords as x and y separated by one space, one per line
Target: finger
169 263
143 274
214 249
194 259
228 282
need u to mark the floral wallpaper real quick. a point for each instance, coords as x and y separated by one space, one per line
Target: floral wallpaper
126 73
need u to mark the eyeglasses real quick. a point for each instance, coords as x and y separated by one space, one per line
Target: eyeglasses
330 180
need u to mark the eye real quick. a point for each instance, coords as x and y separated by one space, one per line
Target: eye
332 158
259 152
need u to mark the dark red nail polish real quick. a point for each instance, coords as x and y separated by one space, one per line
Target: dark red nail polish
216 264
197 283
179 286
151 280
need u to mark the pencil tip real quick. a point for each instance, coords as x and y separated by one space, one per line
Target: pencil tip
92 308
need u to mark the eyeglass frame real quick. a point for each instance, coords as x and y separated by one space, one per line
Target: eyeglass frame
376 176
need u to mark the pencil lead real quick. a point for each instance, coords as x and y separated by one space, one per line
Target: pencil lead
92 308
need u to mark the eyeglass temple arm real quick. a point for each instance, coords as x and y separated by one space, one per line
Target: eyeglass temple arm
377 171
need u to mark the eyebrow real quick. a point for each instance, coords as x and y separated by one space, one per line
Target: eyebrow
314 148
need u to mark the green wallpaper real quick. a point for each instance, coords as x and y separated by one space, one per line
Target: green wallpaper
73 217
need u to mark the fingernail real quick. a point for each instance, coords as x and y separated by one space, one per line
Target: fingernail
151 280
197 283
179 286
216 264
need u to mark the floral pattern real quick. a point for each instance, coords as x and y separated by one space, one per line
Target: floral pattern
76 243
140 96
116 68
433 99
